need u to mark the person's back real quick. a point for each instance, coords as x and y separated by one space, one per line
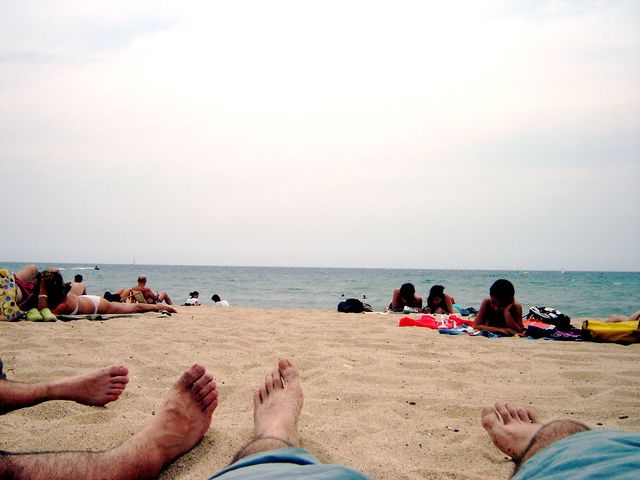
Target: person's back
218 302
77 286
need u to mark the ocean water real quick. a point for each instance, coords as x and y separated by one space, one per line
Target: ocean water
577 294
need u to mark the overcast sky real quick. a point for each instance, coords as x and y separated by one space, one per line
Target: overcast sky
460 134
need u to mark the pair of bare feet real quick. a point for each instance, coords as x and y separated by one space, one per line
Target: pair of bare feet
186 413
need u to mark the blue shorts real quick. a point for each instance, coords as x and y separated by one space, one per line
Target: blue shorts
593 454
290 463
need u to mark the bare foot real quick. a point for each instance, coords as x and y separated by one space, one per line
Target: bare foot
185 415
277 404
97 388
510 428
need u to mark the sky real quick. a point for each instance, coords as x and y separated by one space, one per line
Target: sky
392 134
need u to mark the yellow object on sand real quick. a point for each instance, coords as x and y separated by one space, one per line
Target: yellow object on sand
612 332
9 310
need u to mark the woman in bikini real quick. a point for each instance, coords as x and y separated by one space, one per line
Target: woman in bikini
62 302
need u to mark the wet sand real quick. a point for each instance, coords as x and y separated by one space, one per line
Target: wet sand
401 403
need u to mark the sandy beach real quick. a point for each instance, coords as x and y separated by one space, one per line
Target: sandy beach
392 402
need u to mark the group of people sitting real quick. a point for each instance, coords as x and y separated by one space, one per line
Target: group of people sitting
44 295
559 450
499 313
194 300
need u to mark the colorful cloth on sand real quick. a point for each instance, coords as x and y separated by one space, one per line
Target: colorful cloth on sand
9 310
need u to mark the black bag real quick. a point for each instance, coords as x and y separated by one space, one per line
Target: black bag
351 305
552 317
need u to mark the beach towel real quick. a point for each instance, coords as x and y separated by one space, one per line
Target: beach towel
9 310
435 323
623 333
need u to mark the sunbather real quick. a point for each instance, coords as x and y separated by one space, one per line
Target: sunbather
500 313
438 301
405 296
62 302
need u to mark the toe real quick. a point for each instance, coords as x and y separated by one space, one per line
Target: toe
288 371
208 399
277 380
263 393
118 371
513 411
503 411
203 381
490 418
189 377
533 416
523 414
256 399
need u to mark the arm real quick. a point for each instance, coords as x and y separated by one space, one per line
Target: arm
513 317
395 302
418 301
482 318
447 304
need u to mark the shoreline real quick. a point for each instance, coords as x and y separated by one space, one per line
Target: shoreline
391 402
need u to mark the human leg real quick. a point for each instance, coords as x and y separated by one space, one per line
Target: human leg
277 405
96 388
177 426
273 452
518 432
164 297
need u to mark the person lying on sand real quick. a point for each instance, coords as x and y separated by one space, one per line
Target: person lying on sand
405 296
500 313
96 388
274 451
623 318
61 301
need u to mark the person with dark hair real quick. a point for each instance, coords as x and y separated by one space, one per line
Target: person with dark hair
77 286
438 301
500 313
405 296
218 302
62 302
193 300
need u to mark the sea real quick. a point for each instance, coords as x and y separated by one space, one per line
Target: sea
577 294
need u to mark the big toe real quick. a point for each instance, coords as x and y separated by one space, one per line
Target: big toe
287 370
490 420
118 371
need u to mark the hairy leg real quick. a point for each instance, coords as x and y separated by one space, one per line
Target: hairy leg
179 424
517 431
277 406
95 388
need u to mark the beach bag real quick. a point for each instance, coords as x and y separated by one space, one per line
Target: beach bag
353 305
624 333
9 310
551 316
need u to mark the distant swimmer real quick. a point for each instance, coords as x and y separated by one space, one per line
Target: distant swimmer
96 267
